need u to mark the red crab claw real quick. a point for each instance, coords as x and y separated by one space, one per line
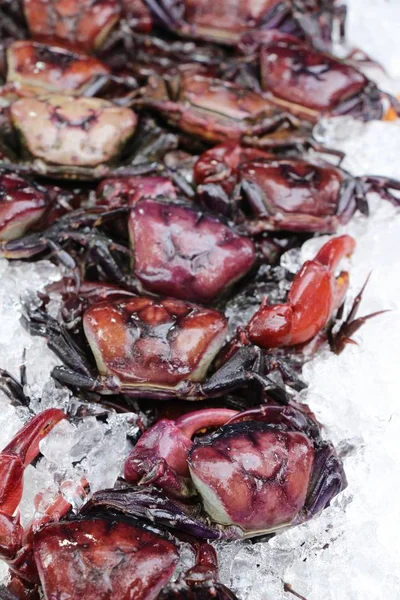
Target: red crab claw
315 294
160 456
13 460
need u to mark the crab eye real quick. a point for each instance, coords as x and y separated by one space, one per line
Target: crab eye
251 475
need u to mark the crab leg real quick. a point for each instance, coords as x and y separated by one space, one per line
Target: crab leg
19 453
13 460
315 294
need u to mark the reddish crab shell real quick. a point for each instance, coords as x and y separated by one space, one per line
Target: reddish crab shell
79 22
308 83
217 111
99 558
22 203
293 194
76 132
180 341
115 192
267 193
255 479
52 68
194 256
225 21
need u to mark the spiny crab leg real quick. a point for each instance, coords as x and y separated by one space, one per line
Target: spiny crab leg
351 324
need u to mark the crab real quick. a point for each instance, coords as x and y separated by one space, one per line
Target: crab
268 193
256 473
195 256
226 21
34 68
64 136
215 111
164 348
310 84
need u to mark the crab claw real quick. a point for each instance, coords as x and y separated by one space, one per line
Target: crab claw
21 451
13 459
314 296
160 456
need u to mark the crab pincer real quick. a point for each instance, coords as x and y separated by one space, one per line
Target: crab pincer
19 453
314 296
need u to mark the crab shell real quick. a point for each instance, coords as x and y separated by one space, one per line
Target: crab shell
293 195
251 475
213 109
305 82
154 344
224 21
115 191
22 204
194 256
81 22
75 132
98 558
51 68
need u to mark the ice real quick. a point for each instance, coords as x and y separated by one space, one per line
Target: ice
89 449
371 148
21 280
373 26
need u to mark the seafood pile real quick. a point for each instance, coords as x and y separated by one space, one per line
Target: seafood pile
171 169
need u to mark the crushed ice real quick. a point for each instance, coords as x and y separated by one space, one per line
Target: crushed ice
351 550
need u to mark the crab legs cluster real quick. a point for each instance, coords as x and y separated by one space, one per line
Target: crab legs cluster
160 152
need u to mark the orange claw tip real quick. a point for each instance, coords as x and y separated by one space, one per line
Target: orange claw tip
25 443
391 114
334 250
